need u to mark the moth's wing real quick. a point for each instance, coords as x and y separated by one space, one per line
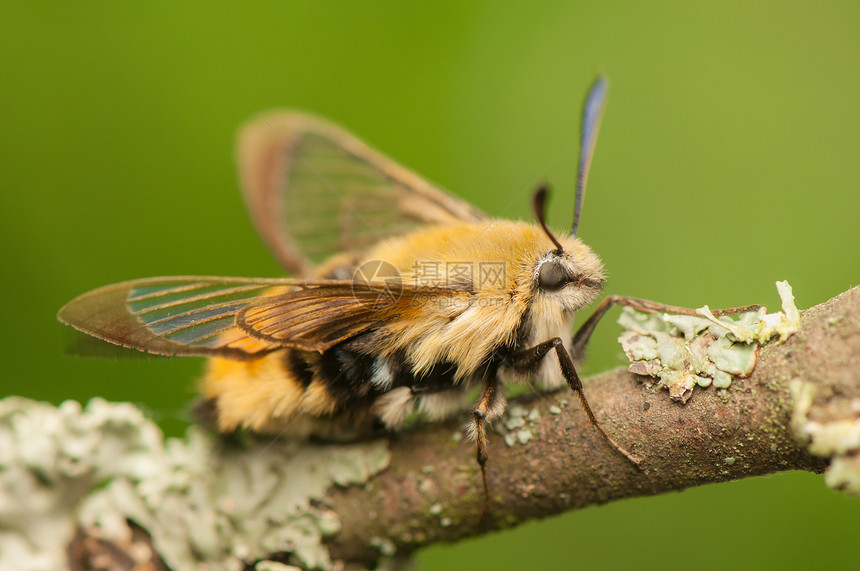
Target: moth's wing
186 315
314 190
321 314
240 318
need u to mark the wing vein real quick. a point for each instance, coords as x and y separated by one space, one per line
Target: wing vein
201 297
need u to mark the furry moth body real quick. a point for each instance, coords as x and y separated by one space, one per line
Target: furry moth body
425 352
404 298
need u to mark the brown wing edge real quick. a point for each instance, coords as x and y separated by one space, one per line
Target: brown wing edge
263 161
104 313
264 152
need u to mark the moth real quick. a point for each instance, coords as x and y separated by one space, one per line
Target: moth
403 299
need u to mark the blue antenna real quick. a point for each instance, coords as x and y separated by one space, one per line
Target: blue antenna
592 112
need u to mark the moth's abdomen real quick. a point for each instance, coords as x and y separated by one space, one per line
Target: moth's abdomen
339 394
281 393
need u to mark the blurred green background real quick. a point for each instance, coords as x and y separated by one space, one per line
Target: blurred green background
727 160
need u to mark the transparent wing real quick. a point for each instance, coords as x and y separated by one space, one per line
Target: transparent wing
239 318
314 190
186 315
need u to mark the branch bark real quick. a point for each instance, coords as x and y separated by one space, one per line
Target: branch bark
424 485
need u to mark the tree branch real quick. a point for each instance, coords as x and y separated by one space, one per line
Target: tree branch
424 485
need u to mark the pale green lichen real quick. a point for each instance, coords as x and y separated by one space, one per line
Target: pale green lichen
524 436
844 474
686 351
275 566
516 424
722 380
733 358
203 503
385 546
837 438
761 326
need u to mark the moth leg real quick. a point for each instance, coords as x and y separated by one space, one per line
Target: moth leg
527 359
583 334
489 406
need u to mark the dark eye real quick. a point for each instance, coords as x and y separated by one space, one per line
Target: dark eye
552 277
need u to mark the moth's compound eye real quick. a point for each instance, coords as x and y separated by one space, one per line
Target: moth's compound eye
552 276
